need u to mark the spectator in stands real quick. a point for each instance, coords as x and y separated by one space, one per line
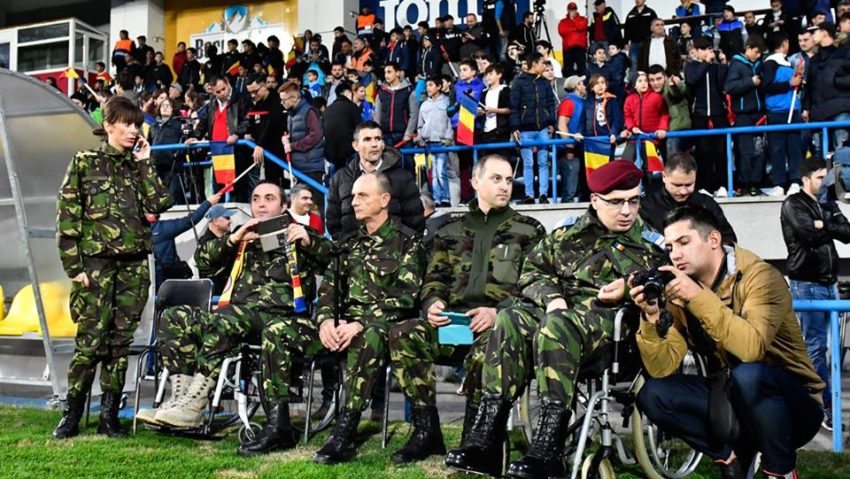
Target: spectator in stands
219 224
168 130
265 124
675 94
659 49
179 59
190 75
827 89
316 52
305 137
250 55
770 376
495 128
533 119
842 8
782 82
345 53
430 61
602 117
230 60
705 79
545 48
274 57
599 65
361 54
645 111
373 155
434 219
499 18
451 38
397 51
312 85
271 82
365 21
779 21
606 26
639 25
751 28
133 66
843 30
618 62
523 34
557 84
142 46
160 75
301 208
124 84
336 77
367 109
482 61
340 120
435 129
339 37
573 31
102 74
396 107
122 47
675 189
689 8
685 41
731 33
810 227
468 83
570 120
818 18
411 44
175 92
474 37
742 85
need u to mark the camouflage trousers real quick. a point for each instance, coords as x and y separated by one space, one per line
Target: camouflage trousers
364 358
107 315
284 338
414 348
551 350
194 340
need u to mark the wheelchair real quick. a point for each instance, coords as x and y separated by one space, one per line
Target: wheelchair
610 379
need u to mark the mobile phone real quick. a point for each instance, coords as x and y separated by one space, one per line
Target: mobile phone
137 148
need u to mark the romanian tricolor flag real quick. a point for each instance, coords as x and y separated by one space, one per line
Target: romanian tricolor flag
596 154
224 163
466 120
369 80
233 70
654 164
297 49
71 73
270 69
235 272
299 303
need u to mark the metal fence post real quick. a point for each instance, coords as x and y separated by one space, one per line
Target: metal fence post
730 183
835 380
553 151
824 142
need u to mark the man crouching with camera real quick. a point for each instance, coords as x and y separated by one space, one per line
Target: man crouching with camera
724 302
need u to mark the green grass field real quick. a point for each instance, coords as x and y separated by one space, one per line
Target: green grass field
27 451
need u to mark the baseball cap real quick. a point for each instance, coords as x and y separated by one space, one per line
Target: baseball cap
572 6
178 86
218 211
572 82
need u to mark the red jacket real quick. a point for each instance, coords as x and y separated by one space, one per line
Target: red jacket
573 32
178 62
647 112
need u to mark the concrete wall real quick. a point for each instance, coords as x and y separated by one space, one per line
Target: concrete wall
142 17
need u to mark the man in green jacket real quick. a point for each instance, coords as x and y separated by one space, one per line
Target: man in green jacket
675 93
732 306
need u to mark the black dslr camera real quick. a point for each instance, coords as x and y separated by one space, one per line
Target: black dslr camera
654 282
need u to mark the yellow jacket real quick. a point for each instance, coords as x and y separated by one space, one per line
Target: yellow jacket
749 317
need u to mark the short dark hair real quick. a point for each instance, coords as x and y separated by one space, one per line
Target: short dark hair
366 125
436 80
422 25
394 65
103 65
273 38
544 44
700 218
680 161
497 68
232 41
527 14
339 63
343 87
703 43
755 42
532 57
193 50
471 64
810 165
126 79
776 39
181 43
655 70
284 200
142 37
215 79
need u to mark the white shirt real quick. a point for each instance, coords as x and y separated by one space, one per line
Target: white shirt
492 100
300 219
556 68
657 55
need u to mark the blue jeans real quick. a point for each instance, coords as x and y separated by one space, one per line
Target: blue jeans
440 177
634 52
815 326
776 413
528 162
568 168
839 135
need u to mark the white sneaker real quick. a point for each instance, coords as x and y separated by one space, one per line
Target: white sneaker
793 189
721 193
776 191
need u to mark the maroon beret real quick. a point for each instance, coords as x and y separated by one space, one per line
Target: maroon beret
614 175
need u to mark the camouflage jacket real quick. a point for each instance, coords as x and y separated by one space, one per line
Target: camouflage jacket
265 281
380 275
477 258
102 205
573 262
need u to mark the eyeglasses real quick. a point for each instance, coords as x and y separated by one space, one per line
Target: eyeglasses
617 203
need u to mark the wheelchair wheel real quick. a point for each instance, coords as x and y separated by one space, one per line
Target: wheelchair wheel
298 406
526 414
661 455
605 471
227 416
248 434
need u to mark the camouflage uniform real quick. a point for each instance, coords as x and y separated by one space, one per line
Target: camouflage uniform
573 263
194 340
476 262
379 280
102 231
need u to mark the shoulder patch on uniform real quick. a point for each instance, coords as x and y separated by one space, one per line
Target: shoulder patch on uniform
653 237
570 220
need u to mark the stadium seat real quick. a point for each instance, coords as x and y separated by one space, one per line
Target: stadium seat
23 314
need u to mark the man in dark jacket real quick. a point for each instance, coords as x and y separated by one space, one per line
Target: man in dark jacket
265 125
340 120
373 155
606 26
396 107
676 189
659 49
638 25
742 85
705 79
523 34
731 32
827 89
533 119
306 136
810 228
190 76
160 75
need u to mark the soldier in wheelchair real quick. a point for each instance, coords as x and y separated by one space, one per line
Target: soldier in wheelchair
763 394
559 324
260 295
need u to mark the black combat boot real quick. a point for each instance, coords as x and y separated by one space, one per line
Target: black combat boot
545 456
426 439
340 446
108 424
481 451
276 435
468 418
69 426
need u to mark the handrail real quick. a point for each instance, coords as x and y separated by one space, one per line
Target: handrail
833 306
728 132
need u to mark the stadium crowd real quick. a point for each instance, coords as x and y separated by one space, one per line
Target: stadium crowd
540 306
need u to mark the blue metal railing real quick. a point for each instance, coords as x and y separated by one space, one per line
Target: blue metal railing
833 307
727 132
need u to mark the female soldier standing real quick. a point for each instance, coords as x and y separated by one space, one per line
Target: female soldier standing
104 242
